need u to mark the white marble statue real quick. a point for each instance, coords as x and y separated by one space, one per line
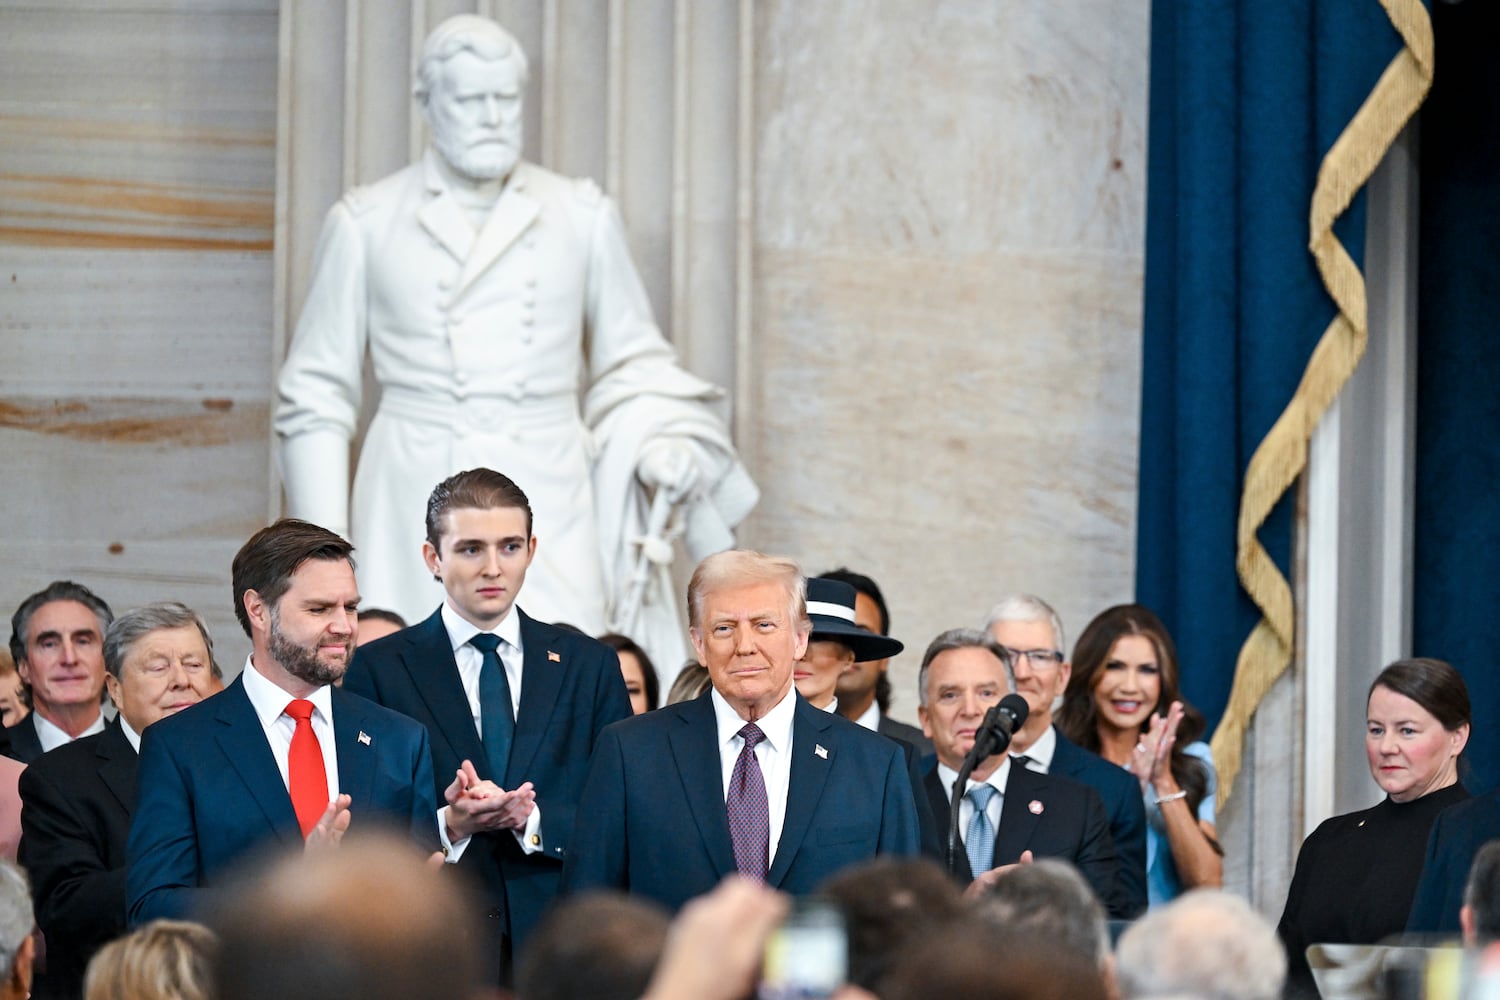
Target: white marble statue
507 328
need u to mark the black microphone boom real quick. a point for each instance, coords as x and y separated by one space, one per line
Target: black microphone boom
993 736
1000 722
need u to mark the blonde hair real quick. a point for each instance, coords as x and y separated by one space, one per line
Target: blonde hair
691 682
164 960
746 568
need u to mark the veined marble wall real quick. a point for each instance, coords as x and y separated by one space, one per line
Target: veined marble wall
948 233
907 235
137 180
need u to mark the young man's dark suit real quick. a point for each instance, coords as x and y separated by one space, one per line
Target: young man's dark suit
76 803
1121 794
571 688
210 793
1050 816
656 823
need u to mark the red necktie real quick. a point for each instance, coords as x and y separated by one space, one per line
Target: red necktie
306 777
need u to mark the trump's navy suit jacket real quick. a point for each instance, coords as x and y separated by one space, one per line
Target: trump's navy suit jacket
1050 816
1121 794
655 822
1457 835
210 793
571 688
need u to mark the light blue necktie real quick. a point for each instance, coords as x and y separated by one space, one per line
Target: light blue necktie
497 721
980 841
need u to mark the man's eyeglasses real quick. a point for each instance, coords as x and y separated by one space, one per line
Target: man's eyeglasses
1040 658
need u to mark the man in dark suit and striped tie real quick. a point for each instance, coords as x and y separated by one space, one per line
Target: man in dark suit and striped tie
749 777
1007 811
1032 635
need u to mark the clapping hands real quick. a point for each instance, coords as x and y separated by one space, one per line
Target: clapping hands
1151 760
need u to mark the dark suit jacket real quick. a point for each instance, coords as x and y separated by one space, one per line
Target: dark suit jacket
1457 835
656 823
888 726
1069 824
1121 794
571 689
25 744
211 794
76 806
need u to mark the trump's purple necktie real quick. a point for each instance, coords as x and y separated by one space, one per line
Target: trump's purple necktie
749 817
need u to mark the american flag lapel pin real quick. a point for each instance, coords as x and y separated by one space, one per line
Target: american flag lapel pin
553 657
821 751
364 737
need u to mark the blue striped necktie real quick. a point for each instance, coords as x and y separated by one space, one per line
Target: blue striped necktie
980 841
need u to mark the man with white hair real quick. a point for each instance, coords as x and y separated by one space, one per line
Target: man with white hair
508 328
17 945
1032 634
1205 944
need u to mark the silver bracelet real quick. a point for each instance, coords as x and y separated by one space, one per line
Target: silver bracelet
1179 794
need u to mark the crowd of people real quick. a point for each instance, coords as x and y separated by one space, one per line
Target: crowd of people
482 801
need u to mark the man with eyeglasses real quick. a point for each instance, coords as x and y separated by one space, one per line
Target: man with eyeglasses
1032 634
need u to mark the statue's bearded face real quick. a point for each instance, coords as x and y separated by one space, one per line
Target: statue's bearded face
475 115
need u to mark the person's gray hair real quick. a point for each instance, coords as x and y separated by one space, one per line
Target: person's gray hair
136 624
1028 608
16 917
1050 898
465 33
57 590
1206 944
961 638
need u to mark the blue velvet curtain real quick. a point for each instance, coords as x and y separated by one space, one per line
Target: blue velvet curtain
1457 539
1246 99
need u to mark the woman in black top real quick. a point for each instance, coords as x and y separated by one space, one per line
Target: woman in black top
1356 875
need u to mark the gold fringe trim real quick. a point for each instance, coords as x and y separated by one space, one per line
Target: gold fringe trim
1282 455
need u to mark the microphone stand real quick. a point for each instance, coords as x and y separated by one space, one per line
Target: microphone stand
992 737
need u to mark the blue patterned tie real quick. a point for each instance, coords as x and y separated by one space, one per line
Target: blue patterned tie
497 723
749 815
980 841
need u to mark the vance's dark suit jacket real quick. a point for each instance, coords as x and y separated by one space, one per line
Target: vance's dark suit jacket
76 805
210 793
1121 794
25 744
888 726
571 689
656 823
1050 816
1457 835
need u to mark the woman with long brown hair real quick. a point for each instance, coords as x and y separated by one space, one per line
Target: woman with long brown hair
1123 703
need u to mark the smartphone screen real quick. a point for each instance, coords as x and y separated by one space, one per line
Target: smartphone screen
807 957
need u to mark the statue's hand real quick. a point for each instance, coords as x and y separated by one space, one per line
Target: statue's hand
667 464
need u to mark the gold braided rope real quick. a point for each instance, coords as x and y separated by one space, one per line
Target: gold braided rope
1282 455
